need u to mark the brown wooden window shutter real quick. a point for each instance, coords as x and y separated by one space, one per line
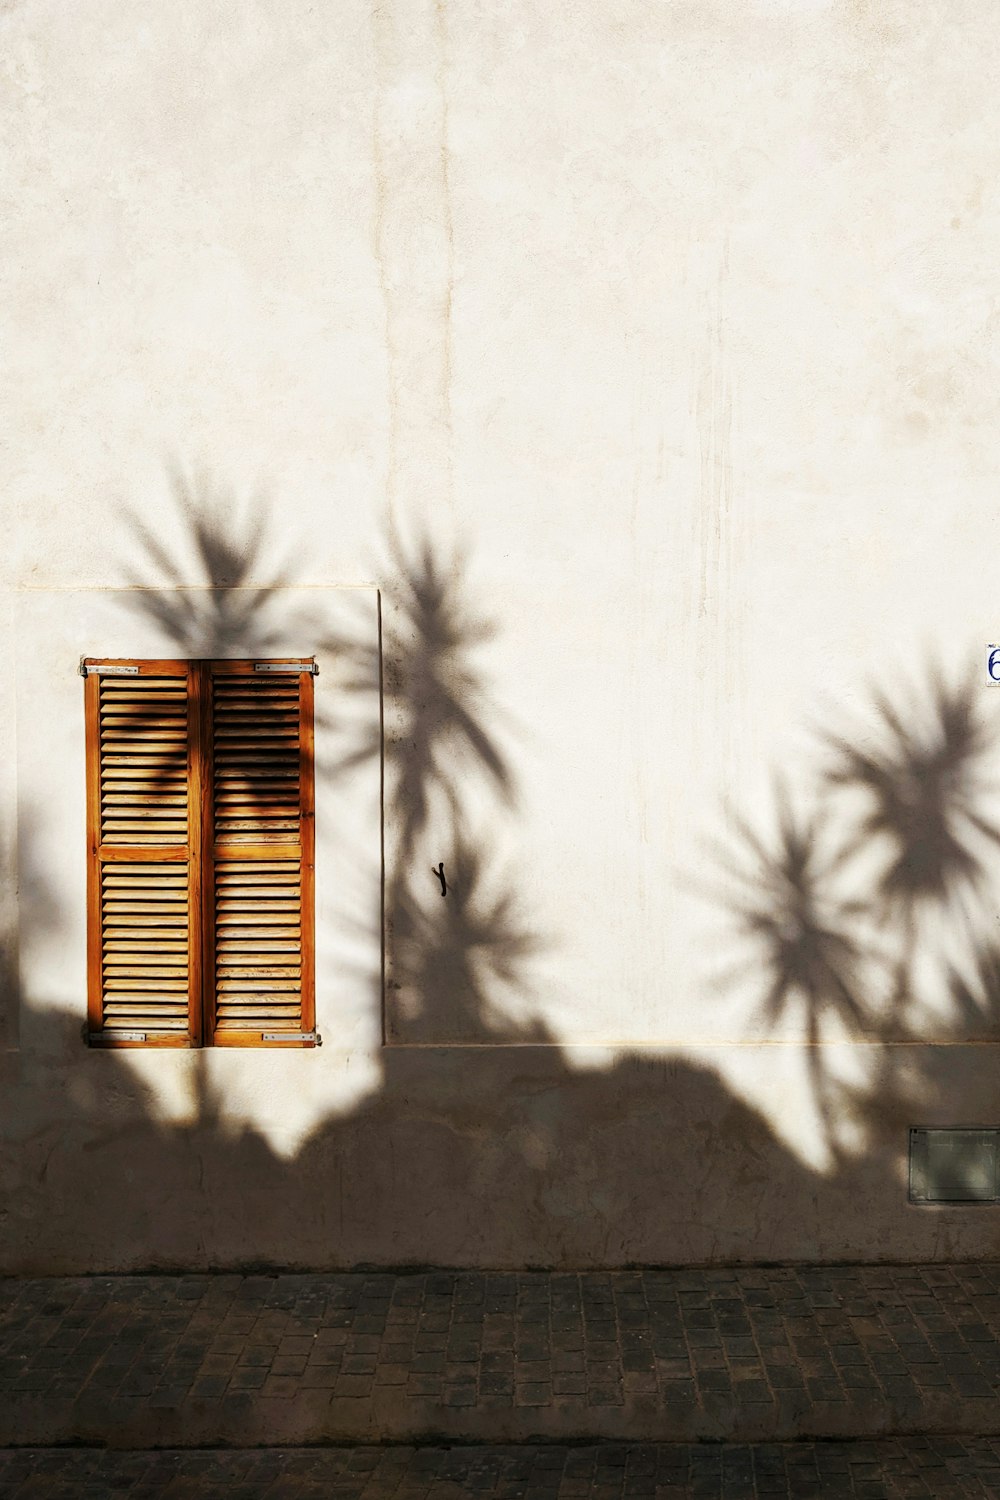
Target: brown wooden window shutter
259 857
200 800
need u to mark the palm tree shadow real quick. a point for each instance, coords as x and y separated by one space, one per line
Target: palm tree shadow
207 597
502 1156
975 996
495 1155
451 961
459 959
436 700
782 900
902 811
434 735
923 775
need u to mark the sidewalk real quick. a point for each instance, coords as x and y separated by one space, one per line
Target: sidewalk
919 1469
741 1356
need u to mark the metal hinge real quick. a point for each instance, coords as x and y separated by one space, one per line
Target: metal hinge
287 666
98 669
292 1036
125 1036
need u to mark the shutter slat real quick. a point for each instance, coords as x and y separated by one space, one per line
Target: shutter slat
292 969
259 947
151 943
129 966
241 892
137 778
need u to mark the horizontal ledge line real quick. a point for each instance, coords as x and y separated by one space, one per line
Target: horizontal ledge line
193 588
569 1045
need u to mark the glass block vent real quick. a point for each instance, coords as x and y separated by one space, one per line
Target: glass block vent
954 1166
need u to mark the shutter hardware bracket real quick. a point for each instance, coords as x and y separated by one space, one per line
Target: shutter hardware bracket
97 1037
98 669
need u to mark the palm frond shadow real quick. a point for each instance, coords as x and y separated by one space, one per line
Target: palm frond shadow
452 962
782 901
924 770
975 997
208 599
901 807
457 958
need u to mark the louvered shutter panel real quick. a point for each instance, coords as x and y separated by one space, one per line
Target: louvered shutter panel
259 952
143 895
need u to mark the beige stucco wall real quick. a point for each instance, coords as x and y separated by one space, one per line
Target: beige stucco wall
632 370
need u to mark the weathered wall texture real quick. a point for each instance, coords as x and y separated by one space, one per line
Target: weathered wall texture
636 365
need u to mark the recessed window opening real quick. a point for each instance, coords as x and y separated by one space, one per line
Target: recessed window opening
200 838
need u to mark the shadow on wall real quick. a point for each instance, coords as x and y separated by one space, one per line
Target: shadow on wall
448 782
505 1155
450 787
871 912
39 922
214 597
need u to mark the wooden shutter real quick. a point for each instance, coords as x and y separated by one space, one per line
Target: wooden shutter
259 956
144 899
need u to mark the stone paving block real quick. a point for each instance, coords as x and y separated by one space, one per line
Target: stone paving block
739 1354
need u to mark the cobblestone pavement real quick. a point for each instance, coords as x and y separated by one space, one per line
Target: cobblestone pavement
943 1469
659 1356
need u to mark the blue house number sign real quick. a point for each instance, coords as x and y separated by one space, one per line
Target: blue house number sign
992 665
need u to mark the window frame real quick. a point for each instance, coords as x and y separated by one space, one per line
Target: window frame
201 852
